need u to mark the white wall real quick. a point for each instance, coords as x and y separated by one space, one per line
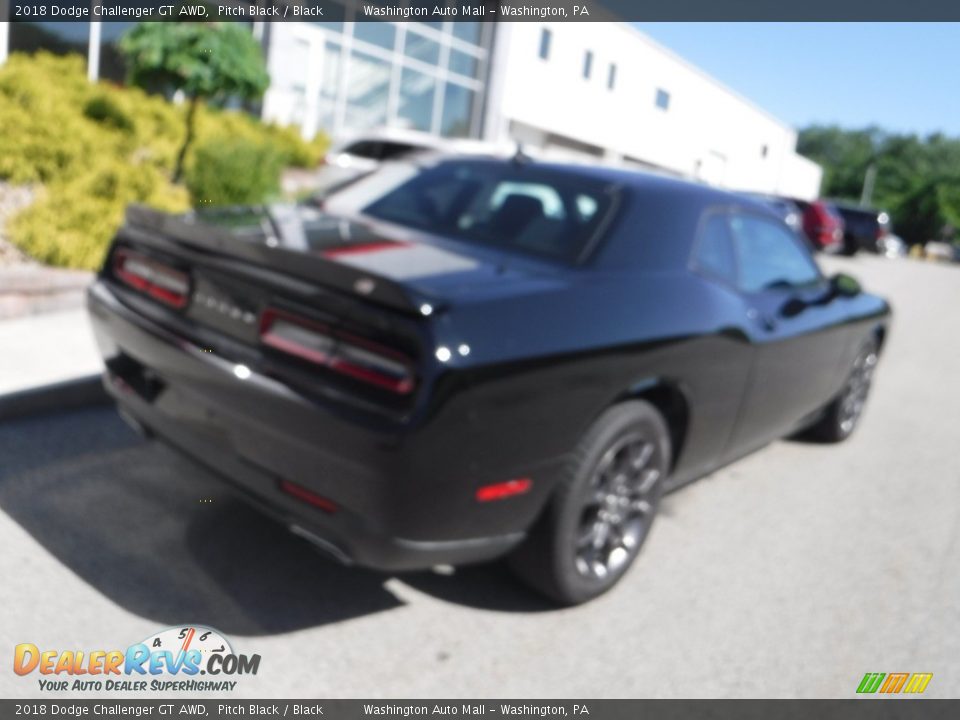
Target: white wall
708 132
4 41
799 177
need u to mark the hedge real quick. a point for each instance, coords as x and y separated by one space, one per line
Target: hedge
95 147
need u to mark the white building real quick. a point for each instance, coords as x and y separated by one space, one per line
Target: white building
593 91
599 91
609 91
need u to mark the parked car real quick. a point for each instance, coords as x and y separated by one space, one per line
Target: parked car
787 209
863 228
941 251
361 154
491 358
822 225
892 246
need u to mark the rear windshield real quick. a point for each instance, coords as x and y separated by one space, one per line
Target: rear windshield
379 149
511 206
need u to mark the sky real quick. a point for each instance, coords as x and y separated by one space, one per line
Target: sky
900 76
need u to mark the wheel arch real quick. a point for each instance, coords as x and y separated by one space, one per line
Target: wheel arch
671 401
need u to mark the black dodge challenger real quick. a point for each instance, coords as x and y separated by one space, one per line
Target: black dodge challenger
491 357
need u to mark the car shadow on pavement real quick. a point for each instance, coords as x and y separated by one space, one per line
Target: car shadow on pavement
164 540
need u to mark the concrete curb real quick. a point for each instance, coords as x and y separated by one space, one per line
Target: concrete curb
66 395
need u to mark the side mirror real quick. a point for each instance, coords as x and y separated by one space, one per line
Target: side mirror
793 307
843 285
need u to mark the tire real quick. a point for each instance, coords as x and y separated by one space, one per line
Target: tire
602 510
848 247
842 415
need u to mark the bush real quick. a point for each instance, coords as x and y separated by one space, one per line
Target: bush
233 171
95 148
104 110
73 221
297 152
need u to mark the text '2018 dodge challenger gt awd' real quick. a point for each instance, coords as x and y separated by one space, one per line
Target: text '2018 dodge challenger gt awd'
491 357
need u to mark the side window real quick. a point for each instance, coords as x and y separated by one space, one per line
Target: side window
714 252
769 256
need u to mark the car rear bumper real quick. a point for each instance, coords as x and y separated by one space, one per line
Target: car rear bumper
255 433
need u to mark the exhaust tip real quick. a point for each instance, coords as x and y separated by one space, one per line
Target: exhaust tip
137 426
325 546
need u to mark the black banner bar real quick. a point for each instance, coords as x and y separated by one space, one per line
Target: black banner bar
481 10
854 709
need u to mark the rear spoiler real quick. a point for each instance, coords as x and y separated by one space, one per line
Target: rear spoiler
188 230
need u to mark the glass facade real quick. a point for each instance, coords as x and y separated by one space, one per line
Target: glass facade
426 76
417 94
56 37
339 76
112 65
368 91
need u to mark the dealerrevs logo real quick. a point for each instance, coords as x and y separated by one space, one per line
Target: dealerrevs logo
169 661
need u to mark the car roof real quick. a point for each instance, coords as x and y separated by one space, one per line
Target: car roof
637 179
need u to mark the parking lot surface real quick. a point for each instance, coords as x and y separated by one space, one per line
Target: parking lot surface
788 574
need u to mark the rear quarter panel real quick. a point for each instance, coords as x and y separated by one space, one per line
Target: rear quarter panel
542 368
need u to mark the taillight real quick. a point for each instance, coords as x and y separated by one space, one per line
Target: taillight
149 276
341 352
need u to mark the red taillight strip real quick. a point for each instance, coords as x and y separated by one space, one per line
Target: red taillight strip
401 386
271 316
503 490
338 357
153 286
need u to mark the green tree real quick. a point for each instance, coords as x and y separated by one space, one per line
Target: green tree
205 61
917 178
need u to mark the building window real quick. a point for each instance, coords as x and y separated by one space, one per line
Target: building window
468 31
587 64
112 64
378 33
457 117
611 77
545 44
368 90
416 100
60 38
464 64
421 48
663 99
329 88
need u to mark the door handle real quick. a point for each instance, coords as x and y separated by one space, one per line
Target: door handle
762 319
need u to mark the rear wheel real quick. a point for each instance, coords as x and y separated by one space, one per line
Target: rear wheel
602 511
843 414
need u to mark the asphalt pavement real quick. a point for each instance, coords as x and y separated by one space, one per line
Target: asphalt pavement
788 574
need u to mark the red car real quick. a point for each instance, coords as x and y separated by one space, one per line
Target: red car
822 224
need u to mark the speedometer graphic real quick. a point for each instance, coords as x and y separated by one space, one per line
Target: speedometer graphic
181 639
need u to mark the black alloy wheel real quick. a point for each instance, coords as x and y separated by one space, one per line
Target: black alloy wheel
603 508
843 414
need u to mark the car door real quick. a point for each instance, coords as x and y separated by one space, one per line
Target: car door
797 335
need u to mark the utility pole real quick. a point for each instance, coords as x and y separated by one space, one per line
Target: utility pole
869 178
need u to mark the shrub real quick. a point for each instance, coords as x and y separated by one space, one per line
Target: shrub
96 147
102 109
297 152
73 221
233 171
